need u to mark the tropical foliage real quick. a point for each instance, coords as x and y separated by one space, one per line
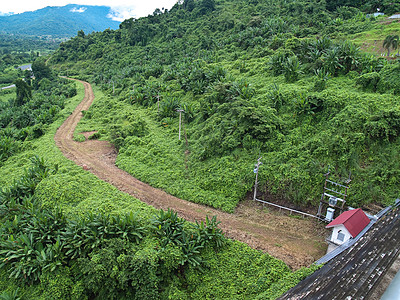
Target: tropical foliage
27 116
117 256
391 41
254 81
254 78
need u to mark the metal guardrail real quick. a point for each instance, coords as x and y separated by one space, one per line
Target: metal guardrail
286 208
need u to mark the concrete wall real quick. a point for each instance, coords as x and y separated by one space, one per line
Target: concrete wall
335 233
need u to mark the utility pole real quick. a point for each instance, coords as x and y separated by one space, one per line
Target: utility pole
257 165
158 102
180 121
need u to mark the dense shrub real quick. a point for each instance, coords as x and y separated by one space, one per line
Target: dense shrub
369 81
390 79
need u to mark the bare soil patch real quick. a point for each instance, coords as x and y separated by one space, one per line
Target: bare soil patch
296 241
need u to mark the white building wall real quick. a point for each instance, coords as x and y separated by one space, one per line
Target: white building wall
340 229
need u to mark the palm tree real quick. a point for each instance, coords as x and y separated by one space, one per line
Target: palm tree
391 41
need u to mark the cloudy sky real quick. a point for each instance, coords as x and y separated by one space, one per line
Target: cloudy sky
122 9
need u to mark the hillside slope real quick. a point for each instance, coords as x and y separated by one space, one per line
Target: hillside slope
84 239
280 81
59 21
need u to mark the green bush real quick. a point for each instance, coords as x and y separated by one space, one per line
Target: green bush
62 189
369 81
79 138
95 136
384 125
390 79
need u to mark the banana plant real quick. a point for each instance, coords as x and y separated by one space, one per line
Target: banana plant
191 249
19 257
168 227
208 232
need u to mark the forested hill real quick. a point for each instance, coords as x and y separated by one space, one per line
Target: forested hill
277 79
59 21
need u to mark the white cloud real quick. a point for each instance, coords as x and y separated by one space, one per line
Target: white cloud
78 10
137 9
121 13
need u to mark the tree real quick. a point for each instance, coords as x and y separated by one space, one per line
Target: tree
24 92
391 41
334 4
81 33
349 56
188 5
40 70
291 69
208 5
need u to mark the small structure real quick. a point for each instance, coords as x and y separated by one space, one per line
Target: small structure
25 67
347 225
395 16
377 14
358 270
333 198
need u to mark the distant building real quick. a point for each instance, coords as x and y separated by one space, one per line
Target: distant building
347 225
377 14
396 16
25 67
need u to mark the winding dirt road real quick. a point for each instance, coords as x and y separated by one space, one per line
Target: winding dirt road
298 242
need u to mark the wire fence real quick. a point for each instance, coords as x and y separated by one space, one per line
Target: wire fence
287 208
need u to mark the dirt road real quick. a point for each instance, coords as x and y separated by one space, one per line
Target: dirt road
298 242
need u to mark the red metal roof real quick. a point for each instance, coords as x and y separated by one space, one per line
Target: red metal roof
354 220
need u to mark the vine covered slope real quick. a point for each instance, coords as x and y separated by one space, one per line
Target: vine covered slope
261 78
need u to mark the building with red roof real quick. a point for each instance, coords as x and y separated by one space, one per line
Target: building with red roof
348 225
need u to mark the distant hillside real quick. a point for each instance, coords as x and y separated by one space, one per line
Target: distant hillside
59 21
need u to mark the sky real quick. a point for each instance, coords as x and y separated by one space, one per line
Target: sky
122 9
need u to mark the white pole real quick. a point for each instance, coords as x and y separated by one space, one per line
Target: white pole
257 165
180 121
255 187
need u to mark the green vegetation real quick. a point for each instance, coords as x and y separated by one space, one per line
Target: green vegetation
7 95
281 83
65 234
17 51
276 79
26 117
61 240
391 41
28 46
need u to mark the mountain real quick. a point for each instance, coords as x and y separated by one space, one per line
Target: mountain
59 21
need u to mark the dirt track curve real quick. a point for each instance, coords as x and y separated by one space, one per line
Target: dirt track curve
298 242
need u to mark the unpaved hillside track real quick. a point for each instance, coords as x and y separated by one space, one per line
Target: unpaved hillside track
297 242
